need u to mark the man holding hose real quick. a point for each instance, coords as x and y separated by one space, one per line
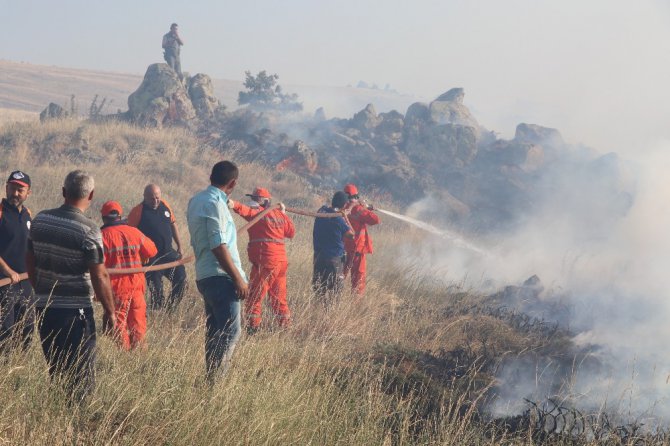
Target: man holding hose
267 255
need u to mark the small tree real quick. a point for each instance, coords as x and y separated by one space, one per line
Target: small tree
263 92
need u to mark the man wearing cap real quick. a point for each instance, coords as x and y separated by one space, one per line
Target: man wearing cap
361 216
267 255
126 247
154 218
329 235
65 263
171 48
17 314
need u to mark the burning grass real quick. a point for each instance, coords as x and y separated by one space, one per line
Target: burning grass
413 362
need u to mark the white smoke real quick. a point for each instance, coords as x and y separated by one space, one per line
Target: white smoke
615 269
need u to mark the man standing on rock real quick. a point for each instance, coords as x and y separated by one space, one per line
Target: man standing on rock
361 216
65 264
219 274
171 47
155 219
17 314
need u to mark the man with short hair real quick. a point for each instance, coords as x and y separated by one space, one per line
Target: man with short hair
328 235
126 247
154 218
218 268
17 312
171 47
361 215
66 268
267 255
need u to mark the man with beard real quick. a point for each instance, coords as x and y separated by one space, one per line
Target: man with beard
17 315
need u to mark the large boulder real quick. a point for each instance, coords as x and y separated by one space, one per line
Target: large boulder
53 111
366 119
417 113
201 92
448 108
161 99
536 134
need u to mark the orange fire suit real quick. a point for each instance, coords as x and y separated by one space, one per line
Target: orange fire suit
356 248
269 263
127 247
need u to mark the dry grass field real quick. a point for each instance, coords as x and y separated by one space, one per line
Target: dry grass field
375 370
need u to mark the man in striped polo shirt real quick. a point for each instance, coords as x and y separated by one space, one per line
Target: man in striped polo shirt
66 267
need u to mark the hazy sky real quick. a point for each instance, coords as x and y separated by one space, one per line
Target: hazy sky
596 69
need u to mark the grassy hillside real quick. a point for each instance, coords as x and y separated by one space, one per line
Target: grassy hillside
31 87
406 364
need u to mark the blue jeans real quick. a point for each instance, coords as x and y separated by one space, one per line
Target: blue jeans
222 308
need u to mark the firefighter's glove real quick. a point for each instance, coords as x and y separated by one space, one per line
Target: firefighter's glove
282 207
231 203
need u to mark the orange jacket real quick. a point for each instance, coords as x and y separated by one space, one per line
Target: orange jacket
126 247
360 217
266 238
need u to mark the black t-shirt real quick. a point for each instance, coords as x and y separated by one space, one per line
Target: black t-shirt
157 225
14 230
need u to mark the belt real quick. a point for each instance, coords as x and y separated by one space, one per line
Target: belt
266 240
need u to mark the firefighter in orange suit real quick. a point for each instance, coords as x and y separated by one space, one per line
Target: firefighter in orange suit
267 255
126 247
361 216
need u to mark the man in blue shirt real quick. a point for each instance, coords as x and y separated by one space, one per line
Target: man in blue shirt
328 237
219 275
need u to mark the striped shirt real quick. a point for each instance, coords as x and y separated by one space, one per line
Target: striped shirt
65 243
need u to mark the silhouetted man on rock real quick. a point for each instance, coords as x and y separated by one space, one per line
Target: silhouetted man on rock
171 45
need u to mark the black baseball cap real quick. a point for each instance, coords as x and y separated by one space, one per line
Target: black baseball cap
19 177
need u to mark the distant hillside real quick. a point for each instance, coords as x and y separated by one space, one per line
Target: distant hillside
30 87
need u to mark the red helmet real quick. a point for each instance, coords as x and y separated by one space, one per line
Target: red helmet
351 189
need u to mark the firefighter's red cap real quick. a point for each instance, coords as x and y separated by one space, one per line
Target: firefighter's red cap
260 192
111 209
351 189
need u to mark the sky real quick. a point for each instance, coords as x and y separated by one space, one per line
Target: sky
597 70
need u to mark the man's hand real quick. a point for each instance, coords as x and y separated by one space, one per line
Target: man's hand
242 289
109 323
282 207
13 275
231 203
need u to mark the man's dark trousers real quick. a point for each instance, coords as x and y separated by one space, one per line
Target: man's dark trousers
68 342
328 275
176 276
222 308
17 315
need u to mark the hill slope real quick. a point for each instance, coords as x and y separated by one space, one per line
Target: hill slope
31 87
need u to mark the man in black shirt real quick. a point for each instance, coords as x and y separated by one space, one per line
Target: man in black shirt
17 312
155 219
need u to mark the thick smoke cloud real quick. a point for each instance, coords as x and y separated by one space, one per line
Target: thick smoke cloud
607 254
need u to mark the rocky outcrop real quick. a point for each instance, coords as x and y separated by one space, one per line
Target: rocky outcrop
536 134
161 99
53 111
448 108
366 119
201 92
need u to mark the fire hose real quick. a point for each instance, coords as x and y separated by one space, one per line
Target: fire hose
119 271
258 217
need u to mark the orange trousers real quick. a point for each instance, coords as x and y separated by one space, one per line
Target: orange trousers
271 281
131 318
356 266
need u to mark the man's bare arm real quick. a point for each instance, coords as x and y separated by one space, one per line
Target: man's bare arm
103 290
8 271
226 261
177 239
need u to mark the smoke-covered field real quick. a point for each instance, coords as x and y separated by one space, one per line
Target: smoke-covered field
440 351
